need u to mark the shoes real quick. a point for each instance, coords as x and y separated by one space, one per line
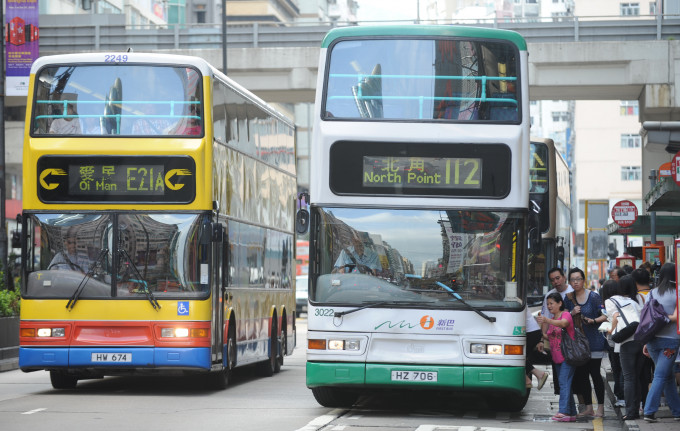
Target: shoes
542 380
561 417
650 418
630 417
620 403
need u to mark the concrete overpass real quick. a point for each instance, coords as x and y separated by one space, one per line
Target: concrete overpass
571 59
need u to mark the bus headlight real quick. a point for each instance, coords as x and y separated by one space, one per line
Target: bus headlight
51 332
351 344
486 349
184 332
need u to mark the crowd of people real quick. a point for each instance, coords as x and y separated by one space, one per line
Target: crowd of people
643 374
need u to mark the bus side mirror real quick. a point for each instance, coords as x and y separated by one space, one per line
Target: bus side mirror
302 221
16 239
217 232
534 228
302 216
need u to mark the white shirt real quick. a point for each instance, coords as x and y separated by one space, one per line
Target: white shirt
623 301
62 127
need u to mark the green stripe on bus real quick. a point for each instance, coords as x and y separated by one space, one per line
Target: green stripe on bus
425 30
380 375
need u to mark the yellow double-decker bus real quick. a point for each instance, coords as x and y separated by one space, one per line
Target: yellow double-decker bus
158 222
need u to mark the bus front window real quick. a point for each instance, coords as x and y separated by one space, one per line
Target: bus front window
415 256
117 255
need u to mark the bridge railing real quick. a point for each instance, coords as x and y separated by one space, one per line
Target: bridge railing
61 35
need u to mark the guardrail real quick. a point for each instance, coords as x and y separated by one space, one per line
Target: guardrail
119 37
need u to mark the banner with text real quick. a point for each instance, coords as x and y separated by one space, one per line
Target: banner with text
21 42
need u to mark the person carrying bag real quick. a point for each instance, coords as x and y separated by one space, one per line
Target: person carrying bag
576 351
653 318
627 322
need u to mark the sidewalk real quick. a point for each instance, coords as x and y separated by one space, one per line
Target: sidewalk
9 364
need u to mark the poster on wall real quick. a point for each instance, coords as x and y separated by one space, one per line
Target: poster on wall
21 44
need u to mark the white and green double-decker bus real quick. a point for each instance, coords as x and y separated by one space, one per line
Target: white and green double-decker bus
419 215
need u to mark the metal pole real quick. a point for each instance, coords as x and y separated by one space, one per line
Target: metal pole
3 194
652 214
224 36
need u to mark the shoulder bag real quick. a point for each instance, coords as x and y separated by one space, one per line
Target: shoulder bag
627 322
576 351
653 318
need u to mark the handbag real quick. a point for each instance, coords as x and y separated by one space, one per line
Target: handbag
576 351
627 325
653 317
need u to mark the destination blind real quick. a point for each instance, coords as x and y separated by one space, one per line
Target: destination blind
420 169
121 179
436 172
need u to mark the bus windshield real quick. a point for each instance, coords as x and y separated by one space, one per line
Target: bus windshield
117 99
121 255
420 79
396 256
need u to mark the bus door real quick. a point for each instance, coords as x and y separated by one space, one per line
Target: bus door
216 265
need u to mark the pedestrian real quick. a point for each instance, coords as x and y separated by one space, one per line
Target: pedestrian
663 348
642 279
586 309
609 289
630 351
559 284
616 272
534 338
563 320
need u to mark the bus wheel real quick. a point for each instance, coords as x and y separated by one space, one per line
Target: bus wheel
334 397
222 378
512 404
268 368
62 380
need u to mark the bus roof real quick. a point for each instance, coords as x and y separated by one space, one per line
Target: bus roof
120 58
424 30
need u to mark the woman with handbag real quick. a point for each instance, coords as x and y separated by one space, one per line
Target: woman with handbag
625 313
663 348
563 320
586 309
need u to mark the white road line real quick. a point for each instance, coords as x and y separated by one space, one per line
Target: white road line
30 412
321 421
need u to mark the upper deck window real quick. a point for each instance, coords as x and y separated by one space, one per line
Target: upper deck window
118 99
420 79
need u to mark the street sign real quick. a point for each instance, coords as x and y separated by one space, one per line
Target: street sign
665 170
624 213
675 168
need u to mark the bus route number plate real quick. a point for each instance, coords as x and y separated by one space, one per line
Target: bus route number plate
111 357
414 376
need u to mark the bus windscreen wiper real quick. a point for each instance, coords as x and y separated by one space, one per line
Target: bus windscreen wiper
378 303
81 286
458 297
140 280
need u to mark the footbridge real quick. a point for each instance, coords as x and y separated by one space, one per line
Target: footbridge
571 59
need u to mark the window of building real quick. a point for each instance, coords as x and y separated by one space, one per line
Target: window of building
631 173
630 9
629 140
652 8
629 107
560 116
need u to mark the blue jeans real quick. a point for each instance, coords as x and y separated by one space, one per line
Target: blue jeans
663 352
566 373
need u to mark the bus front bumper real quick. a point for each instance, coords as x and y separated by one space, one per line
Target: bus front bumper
41 358
360 375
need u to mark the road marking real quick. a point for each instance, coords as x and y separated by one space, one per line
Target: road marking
464 428
30 412
597 424
321 421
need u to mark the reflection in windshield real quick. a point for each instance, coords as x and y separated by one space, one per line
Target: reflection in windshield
122 99
406 79
419 256
133 255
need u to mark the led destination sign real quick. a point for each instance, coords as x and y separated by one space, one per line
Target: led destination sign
169 179
422 172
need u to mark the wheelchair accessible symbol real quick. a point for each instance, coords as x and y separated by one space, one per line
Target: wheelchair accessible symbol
183 308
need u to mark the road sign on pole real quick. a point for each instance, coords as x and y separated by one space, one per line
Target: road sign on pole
624 213
675 168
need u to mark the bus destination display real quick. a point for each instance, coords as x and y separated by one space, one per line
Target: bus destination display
422 172
116 179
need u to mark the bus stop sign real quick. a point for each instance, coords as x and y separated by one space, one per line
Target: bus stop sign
624 213
675 168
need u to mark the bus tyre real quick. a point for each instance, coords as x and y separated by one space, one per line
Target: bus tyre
512 404
334 397
62 380
268 368
221 379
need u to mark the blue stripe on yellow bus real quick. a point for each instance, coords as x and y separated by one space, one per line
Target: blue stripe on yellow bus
142 357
